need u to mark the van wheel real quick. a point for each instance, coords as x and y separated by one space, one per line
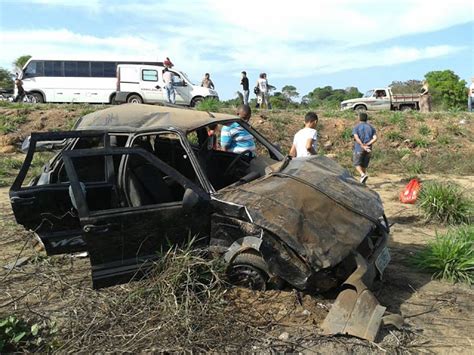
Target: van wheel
360 108
196 101
248 270
112 100
405 108
38 98
134 99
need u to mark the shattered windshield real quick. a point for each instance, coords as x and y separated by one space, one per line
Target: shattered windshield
369 93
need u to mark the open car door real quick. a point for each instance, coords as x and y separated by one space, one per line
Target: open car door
157 208
40 199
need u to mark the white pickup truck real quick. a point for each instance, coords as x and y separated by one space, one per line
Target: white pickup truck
144 84
383 99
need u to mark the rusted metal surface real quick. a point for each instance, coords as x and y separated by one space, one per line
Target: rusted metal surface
356 311
314 206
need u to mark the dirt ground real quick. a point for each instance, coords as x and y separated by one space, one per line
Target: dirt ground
438 315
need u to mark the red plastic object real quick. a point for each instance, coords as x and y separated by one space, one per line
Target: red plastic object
410 193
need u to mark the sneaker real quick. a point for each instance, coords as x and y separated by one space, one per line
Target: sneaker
363 178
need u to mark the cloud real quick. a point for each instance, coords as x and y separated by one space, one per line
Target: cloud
294 39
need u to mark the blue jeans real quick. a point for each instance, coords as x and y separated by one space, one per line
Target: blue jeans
470 100
170 93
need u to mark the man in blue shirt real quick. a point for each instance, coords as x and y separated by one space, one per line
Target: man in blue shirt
364 136
234 138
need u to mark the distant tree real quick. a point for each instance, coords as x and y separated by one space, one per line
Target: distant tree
21 61
406 87
279 100
447 89
352 93
6 79
290 92
329 96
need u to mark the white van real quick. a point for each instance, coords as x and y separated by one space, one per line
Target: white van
144 84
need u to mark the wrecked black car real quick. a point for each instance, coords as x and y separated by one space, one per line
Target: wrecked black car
131 180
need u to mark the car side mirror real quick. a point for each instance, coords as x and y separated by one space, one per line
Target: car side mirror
184 83
190 200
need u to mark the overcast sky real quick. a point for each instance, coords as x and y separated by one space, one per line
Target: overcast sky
307 44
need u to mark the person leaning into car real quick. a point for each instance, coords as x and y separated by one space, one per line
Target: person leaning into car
234 138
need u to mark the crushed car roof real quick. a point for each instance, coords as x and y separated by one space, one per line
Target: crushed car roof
138 117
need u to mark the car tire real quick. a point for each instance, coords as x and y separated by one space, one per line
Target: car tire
38 98
112 100
196 101
405 108
134 99
248 269
360 108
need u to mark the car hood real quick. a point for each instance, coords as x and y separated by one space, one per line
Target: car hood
314 205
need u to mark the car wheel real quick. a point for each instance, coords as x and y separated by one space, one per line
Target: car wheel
37 97
134 99
248 270
196 101
360 108
405 108
112 100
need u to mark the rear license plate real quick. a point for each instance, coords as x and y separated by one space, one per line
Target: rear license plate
382 260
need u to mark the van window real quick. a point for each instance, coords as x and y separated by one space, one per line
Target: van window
97 69
149 75
34 68
110 69
83 69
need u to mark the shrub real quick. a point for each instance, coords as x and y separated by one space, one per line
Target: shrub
10 124
210 105
450 256
444 140
445 202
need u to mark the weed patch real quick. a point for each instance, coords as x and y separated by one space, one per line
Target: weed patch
445 202
450 256
209 105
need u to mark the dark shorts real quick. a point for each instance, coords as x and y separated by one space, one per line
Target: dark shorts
361 159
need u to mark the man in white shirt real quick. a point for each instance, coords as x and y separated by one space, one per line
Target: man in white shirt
305 141
262 96
169 88
470 99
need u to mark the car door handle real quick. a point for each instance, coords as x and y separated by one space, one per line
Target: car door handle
18 200
92 228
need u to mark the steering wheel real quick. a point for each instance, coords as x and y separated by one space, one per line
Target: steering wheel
233 164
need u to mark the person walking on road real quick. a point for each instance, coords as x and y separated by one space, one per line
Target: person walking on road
470 99
364 136
245 87
207 82
305 141
169 87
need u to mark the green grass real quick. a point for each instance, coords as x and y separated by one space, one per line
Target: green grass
397 118
444 140
415 168
346 134
424 130
9 124
446 203
9 169
394 136
210 105
420 142
450 256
